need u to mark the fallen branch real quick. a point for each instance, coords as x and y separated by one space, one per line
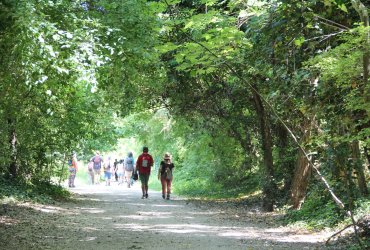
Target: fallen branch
339 232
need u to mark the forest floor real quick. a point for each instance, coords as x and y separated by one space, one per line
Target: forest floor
115 217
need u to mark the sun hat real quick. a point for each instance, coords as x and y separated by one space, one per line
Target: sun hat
167 156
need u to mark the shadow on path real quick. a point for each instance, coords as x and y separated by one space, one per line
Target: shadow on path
115 217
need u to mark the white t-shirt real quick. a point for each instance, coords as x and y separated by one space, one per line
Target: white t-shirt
120 168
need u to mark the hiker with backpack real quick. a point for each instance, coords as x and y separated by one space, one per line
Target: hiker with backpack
72 169
143 166
165 175
120 171
129 165
90 172
108 169
98 162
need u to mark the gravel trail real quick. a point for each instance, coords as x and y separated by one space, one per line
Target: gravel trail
115 217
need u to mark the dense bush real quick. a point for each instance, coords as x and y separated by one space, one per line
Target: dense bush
36 191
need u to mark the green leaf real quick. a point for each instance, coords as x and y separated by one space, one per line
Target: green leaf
343 7
299 41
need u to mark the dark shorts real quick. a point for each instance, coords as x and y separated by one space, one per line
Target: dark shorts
144 178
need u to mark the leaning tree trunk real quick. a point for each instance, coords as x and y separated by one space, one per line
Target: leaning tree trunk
269 185
360 173
287 163
302 171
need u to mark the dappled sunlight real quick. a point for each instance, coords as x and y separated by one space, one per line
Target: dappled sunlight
96 211
124 200
135 217
145 216
136 204
88 239
167 205
86 199
53 237
97 221
5 220
203 213
196 230
155 214
90 229
124 211
46 208
188 217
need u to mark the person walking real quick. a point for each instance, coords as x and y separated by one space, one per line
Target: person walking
143 166
120 171
165 175
108 169
72 168
90 172
98 162
129 165
116 169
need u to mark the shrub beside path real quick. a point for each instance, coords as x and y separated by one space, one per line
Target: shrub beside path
116 217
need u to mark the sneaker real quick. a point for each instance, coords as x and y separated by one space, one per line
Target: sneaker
168 197
163 196
143 197
146 195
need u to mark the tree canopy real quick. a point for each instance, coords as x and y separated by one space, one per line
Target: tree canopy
247 95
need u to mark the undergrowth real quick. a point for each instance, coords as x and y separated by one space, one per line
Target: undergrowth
35 191
319 212
204 188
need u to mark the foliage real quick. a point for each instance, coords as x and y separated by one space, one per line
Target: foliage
208 81
56 69
38 191
317 213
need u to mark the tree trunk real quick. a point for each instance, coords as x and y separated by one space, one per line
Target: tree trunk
362 11
302 172
269 186
12 168
287 163
367 155
358 166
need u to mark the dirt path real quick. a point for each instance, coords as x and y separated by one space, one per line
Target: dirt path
116 217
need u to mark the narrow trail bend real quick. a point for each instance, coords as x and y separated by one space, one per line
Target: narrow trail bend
116 217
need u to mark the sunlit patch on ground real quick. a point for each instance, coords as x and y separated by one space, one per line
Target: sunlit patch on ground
122 220
86 199
166 205
5 220
46 208
93 211
88 239
90 229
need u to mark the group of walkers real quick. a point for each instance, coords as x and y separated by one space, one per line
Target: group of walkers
121 170
127 170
